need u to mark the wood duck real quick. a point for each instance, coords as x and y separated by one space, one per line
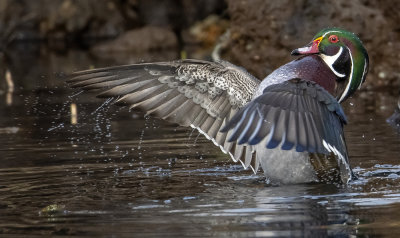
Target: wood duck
290 123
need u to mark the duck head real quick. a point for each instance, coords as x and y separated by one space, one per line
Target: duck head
345 55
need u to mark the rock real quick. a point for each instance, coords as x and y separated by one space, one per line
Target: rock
177 14
75 20
59 19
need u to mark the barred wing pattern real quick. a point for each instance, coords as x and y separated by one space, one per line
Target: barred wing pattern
200 94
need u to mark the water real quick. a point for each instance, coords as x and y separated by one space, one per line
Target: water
108 172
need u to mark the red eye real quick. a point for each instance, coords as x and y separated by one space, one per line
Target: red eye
333 39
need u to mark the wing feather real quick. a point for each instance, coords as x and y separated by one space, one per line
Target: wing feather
194 93
296 114
217 99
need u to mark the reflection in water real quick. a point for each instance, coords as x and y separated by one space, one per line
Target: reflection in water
74 114
10 88
95 169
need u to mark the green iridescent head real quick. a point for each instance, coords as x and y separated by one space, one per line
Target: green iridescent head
345 55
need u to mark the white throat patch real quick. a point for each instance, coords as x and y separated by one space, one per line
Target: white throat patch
330 60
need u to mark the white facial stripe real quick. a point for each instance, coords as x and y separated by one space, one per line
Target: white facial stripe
329 32
350 78
364 72
330 60
351 73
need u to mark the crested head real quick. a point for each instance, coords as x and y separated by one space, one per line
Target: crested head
344 53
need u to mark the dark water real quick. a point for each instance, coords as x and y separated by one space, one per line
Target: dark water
115 173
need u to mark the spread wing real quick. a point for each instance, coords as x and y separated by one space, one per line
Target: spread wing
195 93
296 115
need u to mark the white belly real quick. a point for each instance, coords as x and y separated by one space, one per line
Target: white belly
286 166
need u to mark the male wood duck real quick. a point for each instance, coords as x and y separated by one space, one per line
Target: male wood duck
290 123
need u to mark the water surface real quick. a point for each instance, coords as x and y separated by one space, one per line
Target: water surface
109 172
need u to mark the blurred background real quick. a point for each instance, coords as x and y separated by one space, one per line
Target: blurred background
72 165
261 33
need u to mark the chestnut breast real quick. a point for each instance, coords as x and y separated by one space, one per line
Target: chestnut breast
309 68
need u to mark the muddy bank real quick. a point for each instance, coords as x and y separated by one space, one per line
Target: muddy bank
263 32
